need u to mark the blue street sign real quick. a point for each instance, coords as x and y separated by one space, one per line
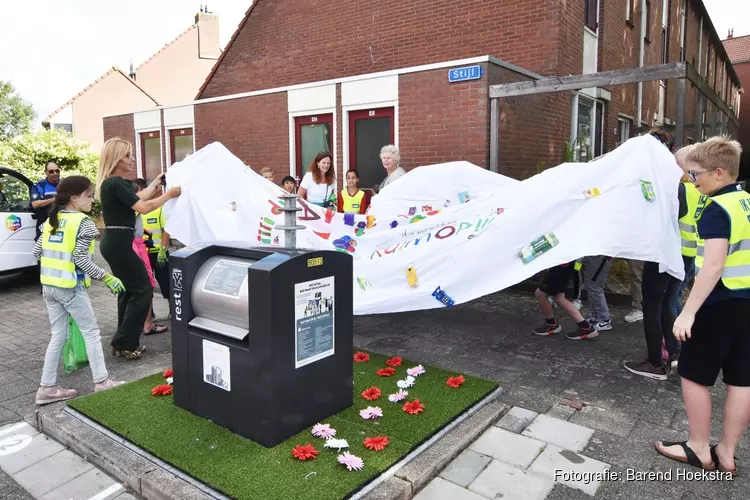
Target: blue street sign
464 74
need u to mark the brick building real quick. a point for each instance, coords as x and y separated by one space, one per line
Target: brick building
738 49
170 76
303 75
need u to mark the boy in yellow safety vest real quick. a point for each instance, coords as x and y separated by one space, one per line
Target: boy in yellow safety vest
353 200
65 251
157 239
713 326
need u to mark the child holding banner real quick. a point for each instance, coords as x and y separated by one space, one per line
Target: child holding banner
555 284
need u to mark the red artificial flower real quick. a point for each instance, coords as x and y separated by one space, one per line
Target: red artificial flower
168 373
456 382
386 372
306 452
413 407
376 443
395 361
361 357
371 394
162 390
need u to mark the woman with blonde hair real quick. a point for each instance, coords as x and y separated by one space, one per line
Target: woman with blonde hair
318 186
119 206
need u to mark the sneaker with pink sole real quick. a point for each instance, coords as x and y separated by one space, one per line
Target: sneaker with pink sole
107 384
47 395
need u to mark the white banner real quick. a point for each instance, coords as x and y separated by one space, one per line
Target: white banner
455 225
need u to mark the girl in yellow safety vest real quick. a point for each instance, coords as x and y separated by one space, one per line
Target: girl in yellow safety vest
64 250
353 200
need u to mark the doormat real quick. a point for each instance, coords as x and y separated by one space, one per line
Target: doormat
239 468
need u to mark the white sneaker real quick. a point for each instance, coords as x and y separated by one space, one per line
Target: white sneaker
603 326
107 384
634 316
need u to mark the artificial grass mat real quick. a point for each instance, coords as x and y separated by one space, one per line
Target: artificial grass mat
240 468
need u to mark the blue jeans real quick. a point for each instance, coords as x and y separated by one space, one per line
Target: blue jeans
675 300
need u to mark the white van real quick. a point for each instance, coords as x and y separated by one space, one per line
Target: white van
17 223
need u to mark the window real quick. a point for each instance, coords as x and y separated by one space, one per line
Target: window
629 4
588 133
150 155
647 27
369 130
15 194
683 27
624 129
313 134
180 144
68 127
591 14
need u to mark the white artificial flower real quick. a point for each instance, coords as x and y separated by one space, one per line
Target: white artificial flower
339 444
170 380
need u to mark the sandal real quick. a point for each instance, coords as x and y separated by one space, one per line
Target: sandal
690 457
719 467
156 329
128 355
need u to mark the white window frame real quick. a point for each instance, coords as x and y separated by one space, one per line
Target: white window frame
574 125
622 119
629 10
168 148
140 168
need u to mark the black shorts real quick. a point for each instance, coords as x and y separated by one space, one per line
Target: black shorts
557 279
720 340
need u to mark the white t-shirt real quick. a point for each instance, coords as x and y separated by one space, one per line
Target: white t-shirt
317 193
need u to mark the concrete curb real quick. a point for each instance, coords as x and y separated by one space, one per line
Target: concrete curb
151 479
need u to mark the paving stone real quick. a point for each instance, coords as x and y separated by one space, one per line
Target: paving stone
54 471
508 447
16 428
93 483
555 461
561 412
500 480
612 420
440 489
392 488
517 419
465 468
125 496
559 432
38 449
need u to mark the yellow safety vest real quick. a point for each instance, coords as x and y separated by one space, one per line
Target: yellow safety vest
352 204
152 223
57 266
688 229
736 274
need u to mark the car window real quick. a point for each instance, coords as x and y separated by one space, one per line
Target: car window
16 194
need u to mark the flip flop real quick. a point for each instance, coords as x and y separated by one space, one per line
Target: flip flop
719 467
155 329
690 457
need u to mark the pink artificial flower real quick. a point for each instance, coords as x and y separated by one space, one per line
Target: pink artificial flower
324 431
399 396
351 462
371 412
416 371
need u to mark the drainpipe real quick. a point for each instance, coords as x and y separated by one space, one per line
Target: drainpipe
641 60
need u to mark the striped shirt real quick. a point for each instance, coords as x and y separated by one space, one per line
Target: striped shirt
87 231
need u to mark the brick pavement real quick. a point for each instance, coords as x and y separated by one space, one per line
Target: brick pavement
489 337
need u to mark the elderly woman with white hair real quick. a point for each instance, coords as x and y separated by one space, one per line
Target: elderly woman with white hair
390 156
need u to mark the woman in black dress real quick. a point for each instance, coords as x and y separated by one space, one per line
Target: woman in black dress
119 205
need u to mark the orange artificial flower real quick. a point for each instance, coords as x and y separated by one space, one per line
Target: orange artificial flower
162 390
386 372
168 373
456 382
306 452
361 357
376 443
394 362
413 407
371 394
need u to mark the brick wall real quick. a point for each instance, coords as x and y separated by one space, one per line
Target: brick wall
255 129
295 41
121 126
441 121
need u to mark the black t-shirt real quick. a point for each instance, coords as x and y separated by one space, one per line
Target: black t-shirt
714 223
118 198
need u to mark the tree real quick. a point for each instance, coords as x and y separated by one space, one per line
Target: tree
29 153
16 114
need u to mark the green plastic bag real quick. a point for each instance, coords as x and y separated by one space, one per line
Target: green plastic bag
74 350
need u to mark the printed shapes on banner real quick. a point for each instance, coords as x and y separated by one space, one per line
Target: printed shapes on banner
591 193
264 232
463 197
234 206
345 244
325 236
394 224
412 210
363 283
416 219
426 208
443 297
411 277
648 191
360 229
446 203
371 221
349 219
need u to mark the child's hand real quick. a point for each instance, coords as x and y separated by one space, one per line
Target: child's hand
161 259
114 284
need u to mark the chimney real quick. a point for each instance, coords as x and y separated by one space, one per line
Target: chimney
208 34
132 71
730 34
